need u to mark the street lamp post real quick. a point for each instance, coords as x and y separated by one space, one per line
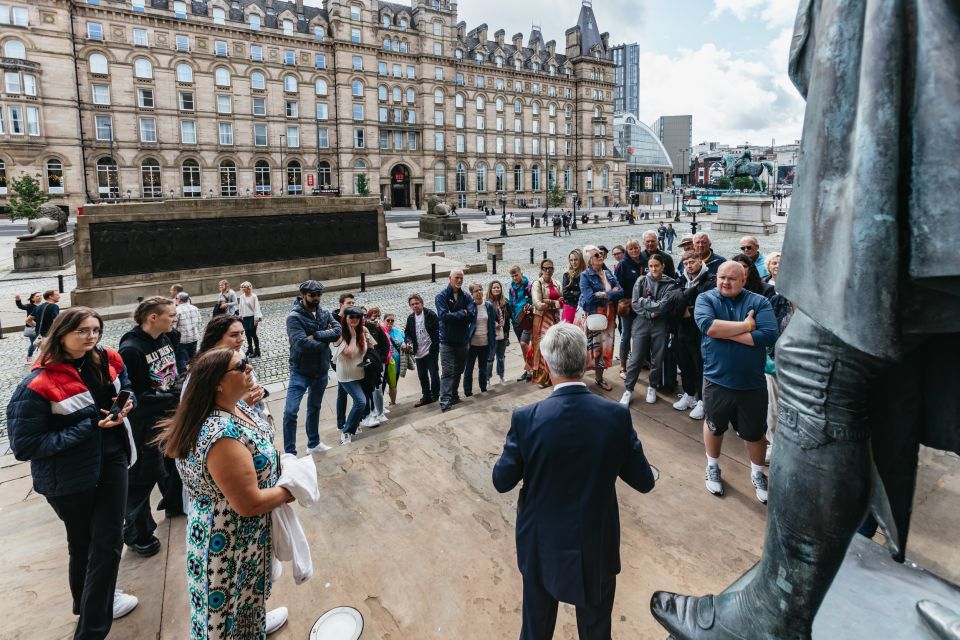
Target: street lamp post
694 206
503 217
574 197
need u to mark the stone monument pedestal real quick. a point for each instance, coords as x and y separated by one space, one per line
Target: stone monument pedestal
44 253
745 213
440 228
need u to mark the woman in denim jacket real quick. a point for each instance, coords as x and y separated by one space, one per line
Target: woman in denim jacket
599 292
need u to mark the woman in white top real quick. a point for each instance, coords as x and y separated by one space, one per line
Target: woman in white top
347 353
251 316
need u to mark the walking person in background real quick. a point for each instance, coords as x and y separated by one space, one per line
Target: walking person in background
547 306
348 353
46 312
628 270
566 223
30 323
188 324
250 314
570 285
151 363
662 236
59 419
521 311
396 366
482 338
310 330
695 281
230 467
599 292
502 306
671 236
456 312
227 300
423 334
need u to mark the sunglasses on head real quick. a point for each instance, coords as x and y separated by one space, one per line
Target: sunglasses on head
240 366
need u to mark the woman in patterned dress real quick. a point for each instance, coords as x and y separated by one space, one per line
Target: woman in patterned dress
226 457
599 292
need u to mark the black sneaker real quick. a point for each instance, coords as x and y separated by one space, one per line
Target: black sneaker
146 549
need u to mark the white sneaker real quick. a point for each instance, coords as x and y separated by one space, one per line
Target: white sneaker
697 413
369 421
385 411
760 483
502 380
713 481
123 603
320 448
382 418
685 402
345 438
651 395
625 398
276 619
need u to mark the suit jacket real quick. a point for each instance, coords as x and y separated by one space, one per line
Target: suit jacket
569 450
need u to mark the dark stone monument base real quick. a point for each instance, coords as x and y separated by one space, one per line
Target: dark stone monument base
440 228
44 253
875 597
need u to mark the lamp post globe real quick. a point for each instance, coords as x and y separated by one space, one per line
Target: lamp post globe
694 206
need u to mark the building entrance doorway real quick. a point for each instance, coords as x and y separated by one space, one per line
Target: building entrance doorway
400 186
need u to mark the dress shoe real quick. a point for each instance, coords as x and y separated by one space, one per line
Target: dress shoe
422 402
147 548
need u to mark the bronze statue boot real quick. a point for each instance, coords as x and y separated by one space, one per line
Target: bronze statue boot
728 616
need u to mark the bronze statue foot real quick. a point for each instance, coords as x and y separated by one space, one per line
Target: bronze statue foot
943 622
727 616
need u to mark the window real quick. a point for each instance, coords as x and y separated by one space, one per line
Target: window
108 182
396 94
535 178
323 138
357 63
254 21
459 80
438 96
101 92
95 31
259 135
258 80
222 77
481 177
150 185
500 145
499 172
98 62
224 104
439 179
320 61
320 87
517 146
358 138
289 56
226 132
458 101
220 48
604 178
461 143
481 144
411 141
318 33
517 178
219 16
438 141
188 132
288 27
382 93
104 126
140 38
145 98
567 178
437 28
536 146
517 106
290 84
481 121
382 114
259 106
321 111
142 68
386 44
479 58
256 53
500 84
184 72
54 171
480 82
228 179
180 9
360 165
148 130
517 125
461 177
261 178
358 112
438 118
438 73
294 178
15 49
33 121
292 109
3 169
411 73
324 176
190 174
411 96
355 13
355 35
186 101
517 64
499 105
437 49
356 88
182 43
499 123
411 116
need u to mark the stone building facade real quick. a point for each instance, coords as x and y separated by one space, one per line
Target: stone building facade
117 99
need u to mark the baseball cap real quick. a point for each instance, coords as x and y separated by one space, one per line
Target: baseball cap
311 286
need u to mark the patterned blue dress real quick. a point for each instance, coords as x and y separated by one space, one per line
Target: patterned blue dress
228 555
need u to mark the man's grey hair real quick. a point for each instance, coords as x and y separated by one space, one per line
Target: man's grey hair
564 347
649 234
183 296
701 234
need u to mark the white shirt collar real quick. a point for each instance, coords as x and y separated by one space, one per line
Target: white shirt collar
569 384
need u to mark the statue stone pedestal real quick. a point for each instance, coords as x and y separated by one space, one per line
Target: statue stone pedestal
745 213
44 253
440 228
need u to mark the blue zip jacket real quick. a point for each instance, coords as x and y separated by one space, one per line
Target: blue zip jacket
310 357
456 312
728 363
491 324
591 284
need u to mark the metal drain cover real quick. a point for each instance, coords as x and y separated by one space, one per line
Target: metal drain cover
342 623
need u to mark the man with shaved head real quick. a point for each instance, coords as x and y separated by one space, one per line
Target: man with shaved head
703 246
750 247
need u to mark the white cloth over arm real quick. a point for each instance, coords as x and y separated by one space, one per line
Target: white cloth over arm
299 476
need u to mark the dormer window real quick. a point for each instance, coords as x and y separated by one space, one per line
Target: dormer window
288 27
386 22
458 54
219 16
254 22
499 62
517 64
479 58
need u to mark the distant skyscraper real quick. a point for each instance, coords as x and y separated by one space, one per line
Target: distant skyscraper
676 134
626 95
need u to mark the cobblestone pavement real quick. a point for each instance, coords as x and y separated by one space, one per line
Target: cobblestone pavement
272 366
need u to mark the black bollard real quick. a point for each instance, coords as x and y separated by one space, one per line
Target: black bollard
531 256
60 283
478 245
1 324
363 282
494 263
434 243
433 272
544 255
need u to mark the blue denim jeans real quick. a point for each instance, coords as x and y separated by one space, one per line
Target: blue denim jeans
354 389
185 351
296 388
497 353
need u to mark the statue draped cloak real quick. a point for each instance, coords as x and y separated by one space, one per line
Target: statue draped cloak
872 246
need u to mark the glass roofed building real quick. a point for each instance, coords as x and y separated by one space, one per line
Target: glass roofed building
647 162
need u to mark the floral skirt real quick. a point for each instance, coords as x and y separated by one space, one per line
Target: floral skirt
600 343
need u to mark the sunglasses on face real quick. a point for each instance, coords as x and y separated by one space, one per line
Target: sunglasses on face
389 321
240 366
747 248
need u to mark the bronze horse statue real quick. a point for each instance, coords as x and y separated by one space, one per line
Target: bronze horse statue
743 166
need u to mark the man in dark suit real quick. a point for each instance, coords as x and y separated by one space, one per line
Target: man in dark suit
569 450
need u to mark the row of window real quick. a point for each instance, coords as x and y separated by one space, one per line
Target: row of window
17 16
19 120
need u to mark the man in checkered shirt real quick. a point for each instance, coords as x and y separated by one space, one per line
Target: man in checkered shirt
188 324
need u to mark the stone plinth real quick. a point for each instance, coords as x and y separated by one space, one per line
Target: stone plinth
440 228
139 249
44 253
745 213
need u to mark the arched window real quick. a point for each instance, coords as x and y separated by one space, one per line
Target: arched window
54 170
499 105
552 110
598 112
190 174
254 22
142 68
518 178
411 96
396 95
324 175
396 45
535 178
290 83
108 182
459 101
382 93
14 49
294 178
150 185
98 63
481 177
480 103
356 88
261 178
386 44
320 87
438 96
359 166
461 177
3 178
258 80
222 77
440 178
535 108
437 28
567 178
500 171
517 106
228 179
184 72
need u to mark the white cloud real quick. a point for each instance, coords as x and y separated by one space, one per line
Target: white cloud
774 13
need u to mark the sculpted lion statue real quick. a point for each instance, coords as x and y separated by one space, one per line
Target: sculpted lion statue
437 208
52 220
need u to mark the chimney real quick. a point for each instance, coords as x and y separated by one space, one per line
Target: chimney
299 7
499 36
552 48
269 4
481 33
518 41
605 39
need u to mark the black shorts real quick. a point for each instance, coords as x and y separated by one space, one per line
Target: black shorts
745 410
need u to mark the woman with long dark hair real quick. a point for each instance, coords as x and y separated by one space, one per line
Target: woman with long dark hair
502 307
230 467
227 332
348 354
60 419
570 284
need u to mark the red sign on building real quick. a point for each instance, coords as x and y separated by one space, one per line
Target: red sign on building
309 179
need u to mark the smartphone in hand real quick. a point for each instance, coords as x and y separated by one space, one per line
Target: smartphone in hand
119 404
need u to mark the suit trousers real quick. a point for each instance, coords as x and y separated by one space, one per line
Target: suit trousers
540 613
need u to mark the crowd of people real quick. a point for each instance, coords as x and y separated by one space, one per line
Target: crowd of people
194 423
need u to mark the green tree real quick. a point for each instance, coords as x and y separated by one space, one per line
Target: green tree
557 196
27 197
723 183
363 187
743 183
